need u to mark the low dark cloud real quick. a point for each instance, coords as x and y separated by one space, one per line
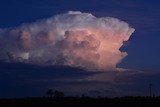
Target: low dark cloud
21 80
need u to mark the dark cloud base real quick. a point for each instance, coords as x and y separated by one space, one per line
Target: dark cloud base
25 80
19 79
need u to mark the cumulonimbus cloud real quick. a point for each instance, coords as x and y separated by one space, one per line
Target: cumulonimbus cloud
73 38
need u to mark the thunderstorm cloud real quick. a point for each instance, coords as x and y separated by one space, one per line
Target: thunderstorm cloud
74 38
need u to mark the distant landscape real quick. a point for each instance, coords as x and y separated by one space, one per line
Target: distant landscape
81 102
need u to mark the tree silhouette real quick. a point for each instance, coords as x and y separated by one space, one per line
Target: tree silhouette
55 94
50 93
58 94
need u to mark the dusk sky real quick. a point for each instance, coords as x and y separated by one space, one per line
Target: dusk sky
136 20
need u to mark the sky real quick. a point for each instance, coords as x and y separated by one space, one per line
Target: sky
142 62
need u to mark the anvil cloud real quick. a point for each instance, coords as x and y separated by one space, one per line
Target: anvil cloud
73 38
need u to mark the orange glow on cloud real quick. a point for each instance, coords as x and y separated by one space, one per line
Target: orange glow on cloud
75 39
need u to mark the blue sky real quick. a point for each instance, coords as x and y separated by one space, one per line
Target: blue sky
143 48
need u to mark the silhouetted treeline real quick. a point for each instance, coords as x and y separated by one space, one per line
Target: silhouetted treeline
55 94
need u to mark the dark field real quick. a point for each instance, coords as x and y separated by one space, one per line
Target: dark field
82 102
